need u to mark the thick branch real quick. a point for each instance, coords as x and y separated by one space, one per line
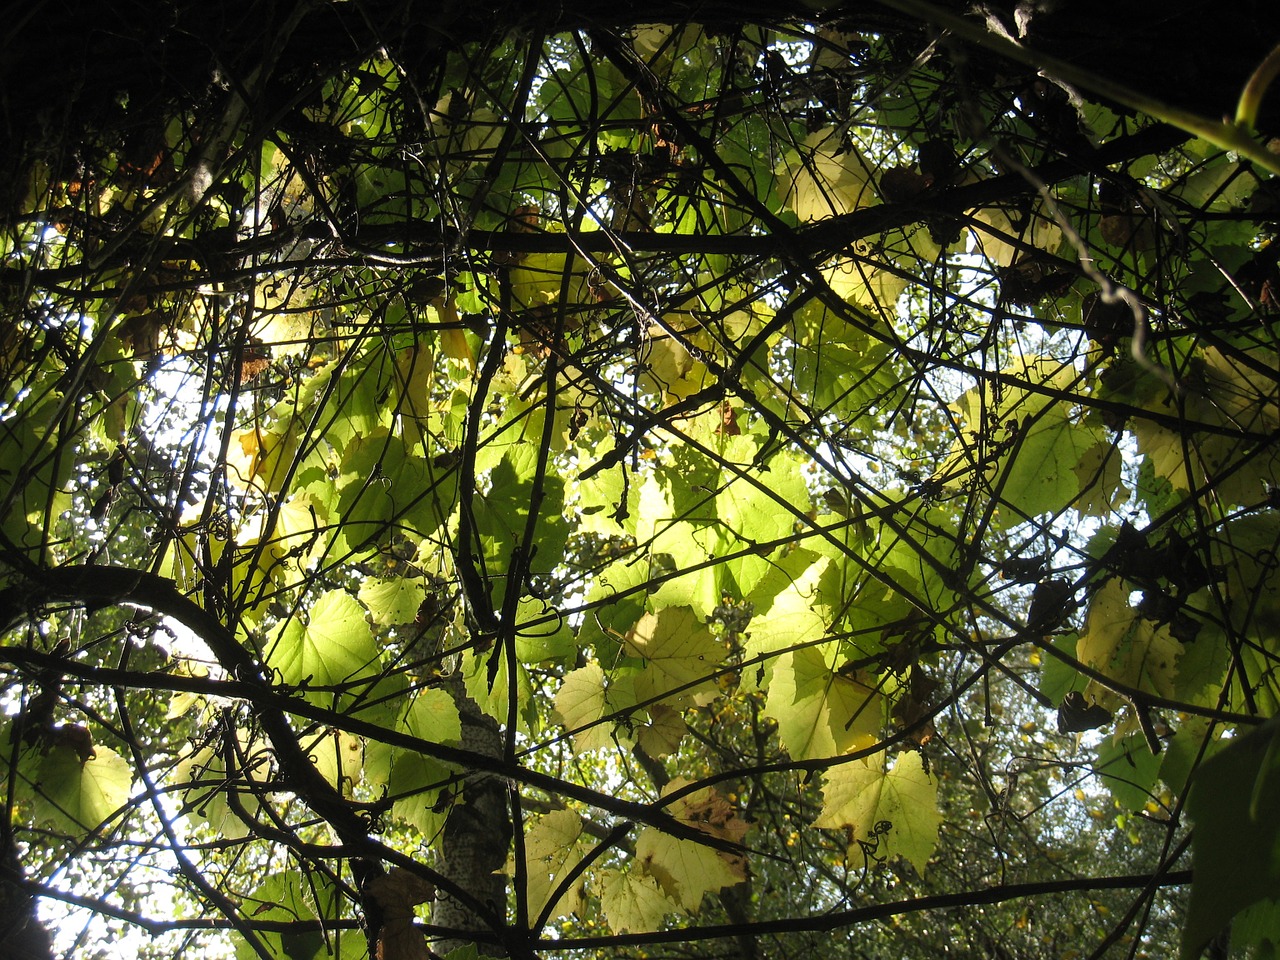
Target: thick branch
879 911
427 243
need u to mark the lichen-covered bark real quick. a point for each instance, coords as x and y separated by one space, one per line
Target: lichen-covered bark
473 848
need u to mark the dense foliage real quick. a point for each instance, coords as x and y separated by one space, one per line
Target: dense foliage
691 489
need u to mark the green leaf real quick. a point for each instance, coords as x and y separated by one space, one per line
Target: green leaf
502 515
790 614
542 633
1129 769
864 796
393 601
204 780
825 176
335 646
416 786
1258 926
432 714
81 795
289 896
1057 678
339 757
33 478
1235 802
820 712
385 487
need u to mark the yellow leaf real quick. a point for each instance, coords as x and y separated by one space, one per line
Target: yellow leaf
1126 646
892 811
551 850
583 700
1002 237
824 176
680 654
632 901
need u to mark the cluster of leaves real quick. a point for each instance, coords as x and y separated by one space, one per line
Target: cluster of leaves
771 431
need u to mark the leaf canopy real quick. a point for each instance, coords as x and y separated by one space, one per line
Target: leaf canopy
529 482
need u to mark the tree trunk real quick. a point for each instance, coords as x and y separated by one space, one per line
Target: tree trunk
473 848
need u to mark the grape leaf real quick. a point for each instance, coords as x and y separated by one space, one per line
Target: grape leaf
584 697
998 244
261 458
335 646
204 780
1126 646
552 848
415 787
669 369
80 795
661 736
339 756
1129 769
825 177
679 654
685 869
286 896
794 617
862 795
432 715
820 713
392 601
1234 800
632 901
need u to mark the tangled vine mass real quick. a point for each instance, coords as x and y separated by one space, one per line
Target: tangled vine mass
749 480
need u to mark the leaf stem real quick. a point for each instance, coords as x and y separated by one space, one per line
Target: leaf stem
1253 92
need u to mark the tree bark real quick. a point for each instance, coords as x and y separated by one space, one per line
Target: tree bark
477 833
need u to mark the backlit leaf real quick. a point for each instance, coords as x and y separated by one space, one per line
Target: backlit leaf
863 795
679 654
820 712
80 795
633 902
334 647
1236 847
392 601
551 850
687 870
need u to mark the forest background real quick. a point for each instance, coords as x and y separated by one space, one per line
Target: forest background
664 480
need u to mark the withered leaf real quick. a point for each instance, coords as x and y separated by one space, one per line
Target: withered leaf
1076 715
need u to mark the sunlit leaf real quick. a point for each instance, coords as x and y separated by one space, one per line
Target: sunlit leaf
1126 646
679 654
825 176
335 645
633 902
584 698
392 601
687 870
891 810
551 850
820 711
79 795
